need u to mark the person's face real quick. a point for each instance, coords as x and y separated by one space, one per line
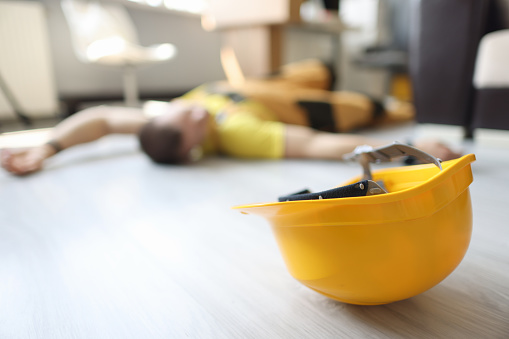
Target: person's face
191 120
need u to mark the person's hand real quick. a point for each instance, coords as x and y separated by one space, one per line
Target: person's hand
25 161
437 149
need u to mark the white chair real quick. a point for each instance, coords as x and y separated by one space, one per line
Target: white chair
103 33
491 66
491 82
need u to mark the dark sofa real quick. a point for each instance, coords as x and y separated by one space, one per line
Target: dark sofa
445 35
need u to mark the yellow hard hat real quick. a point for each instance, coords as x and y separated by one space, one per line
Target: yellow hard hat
375 247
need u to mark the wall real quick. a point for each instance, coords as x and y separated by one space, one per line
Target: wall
362 29
367 29
27 83
198 57
197 60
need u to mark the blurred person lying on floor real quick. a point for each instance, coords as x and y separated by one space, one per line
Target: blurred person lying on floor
292 114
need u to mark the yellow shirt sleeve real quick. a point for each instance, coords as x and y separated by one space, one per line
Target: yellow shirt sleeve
246 136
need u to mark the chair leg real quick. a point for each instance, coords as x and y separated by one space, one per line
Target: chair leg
11 99
131 95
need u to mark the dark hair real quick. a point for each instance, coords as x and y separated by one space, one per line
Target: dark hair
161 143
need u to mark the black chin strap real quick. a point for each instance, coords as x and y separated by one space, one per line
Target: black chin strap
358 189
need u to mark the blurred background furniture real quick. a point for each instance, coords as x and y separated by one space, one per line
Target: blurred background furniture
244 28
390 53
314 19
13 102
260 40
103 33
443 52
491 82
27 83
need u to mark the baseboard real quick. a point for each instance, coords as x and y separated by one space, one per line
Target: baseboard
72 104
492 137
447 133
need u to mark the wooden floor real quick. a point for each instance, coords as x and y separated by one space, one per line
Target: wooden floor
105 244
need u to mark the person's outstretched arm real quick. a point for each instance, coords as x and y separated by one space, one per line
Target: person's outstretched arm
304 142
82 127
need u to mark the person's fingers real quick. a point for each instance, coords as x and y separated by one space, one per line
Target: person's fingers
445 153
26 164
19 163
4 158
22 170
5 155
6 161
438 149
15 165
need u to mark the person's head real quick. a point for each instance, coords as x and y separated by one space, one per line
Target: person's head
170 138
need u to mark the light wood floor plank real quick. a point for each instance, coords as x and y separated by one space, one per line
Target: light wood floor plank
104 244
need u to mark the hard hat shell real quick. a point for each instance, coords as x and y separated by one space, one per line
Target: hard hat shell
382 248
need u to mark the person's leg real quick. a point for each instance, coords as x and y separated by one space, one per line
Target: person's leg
309 73
307 87
298 95
345 111
340 111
